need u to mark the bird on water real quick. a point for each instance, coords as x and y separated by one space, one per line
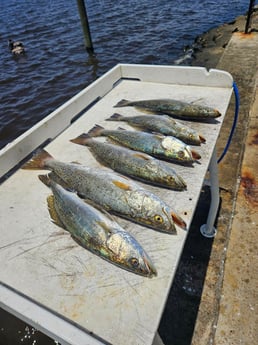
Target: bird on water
16 47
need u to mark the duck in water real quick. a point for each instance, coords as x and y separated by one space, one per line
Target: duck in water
17 47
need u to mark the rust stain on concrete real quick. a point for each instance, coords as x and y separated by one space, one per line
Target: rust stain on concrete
242 35
250 187
254 139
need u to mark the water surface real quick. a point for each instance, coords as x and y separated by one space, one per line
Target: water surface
57 66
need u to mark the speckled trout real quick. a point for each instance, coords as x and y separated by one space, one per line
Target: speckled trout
132 163
162 124
115 193
157 145
179 109
96 231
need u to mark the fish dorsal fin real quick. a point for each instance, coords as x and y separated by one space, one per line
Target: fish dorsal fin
142 156
52 211
121 185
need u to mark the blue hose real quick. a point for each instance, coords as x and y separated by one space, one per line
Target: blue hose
237 102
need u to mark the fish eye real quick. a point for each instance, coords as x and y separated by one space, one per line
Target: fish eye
134 262
171 178
158 219
181 154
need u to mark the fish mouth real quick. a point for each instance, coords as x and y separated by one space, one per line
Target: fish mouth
151 270
188 156
178 220
181 183
217 113
178 185
172 228
202 139
195 154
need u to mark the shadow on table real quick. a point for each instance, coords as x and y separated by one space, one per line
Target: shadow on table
179 317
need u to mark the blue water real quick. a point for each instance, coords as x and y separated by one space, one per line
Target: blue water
57 65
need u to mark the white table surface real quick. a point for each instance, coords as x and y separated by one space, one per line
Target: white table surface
43 263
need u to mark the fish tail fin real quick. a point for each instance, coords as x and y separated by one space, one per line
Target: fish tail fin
38 161
96 131
115 117
82 139
122 103
45 179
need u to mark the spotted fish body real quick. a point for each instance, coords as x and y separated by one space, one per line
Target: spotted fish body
162 124
113 192
132 163
157 145
97 231
179 109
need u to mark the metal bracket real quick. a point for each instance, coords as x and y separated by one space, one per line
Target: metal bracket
208 229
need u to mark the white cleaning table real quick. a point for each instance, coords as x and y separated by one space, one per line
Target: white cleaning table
59 287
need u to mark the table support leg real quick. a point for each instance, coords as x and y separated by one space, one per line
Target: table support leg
157 340
208 229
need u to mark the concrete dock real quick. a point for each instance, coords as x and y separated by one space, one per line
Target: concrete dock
214 297
228 312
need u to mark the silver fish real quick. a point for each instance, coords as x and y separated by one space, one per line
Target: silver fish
113 192
162 124
132 163
157 145
96 231
173 107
